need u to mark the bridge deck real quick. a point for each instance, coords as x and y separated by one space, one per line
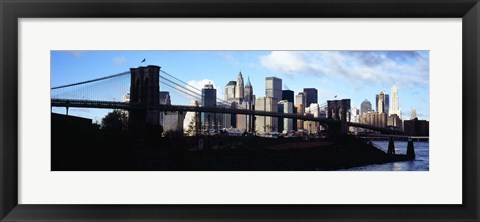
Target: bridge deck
180 108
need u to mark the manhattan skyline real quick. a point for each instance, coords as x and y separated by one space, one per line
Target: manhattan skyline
355 75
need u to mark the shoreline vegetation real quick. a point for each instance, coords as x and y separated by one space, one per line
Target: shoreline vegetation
98 150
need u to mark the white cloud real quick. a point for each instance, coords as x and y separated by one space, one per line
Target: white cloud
407 69
119 60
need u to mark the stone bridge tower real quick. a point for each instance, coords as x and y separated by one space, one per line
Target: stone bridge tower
144 92
338 111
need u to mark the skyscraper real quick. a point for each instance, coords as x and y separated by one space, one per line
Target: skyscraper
381 103
300 99
365 107
273 87
209 99
311 96
266 123
239 89
287 95
395 109
230 90
383 106
248 92
285 125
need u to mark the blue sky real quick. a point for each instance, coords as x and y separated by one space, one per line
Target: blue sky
356 75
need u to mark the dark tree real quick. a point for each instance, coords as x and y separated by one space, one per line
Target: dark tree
116 120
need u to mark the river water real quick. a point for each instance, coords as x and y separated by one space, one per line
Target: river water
421 162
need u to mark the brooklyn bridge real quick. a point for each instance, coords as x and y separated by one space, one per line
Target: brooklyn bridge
144 106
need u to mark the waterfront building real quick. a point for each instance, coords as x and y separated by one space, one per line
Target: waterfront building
382 102
416 127
395 121
365 107
374 118
265 124
311 96
209 99
273 88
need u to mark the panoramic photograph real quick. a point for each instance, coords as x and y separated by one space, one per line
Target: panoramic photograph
221 110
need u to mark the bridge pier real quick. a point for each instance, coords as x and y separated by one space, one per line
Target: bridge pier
391 146
337 128
410 149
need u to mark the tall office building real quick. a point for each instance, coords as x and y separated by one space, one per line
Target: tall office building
273 87
249 92
311 96
313 110
384 104
266 123
239 89
395 109
300 99
381 103
365 107
285 125
230 90
287 95
209 99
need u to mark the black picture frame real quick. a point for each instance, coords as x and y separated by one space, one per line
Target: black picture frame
11 11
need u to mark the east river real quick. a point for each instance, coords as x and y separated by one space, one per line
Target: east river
421 162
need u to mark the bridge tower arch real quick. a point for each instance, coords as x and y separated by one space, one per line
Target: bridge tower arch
144 93
338 110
